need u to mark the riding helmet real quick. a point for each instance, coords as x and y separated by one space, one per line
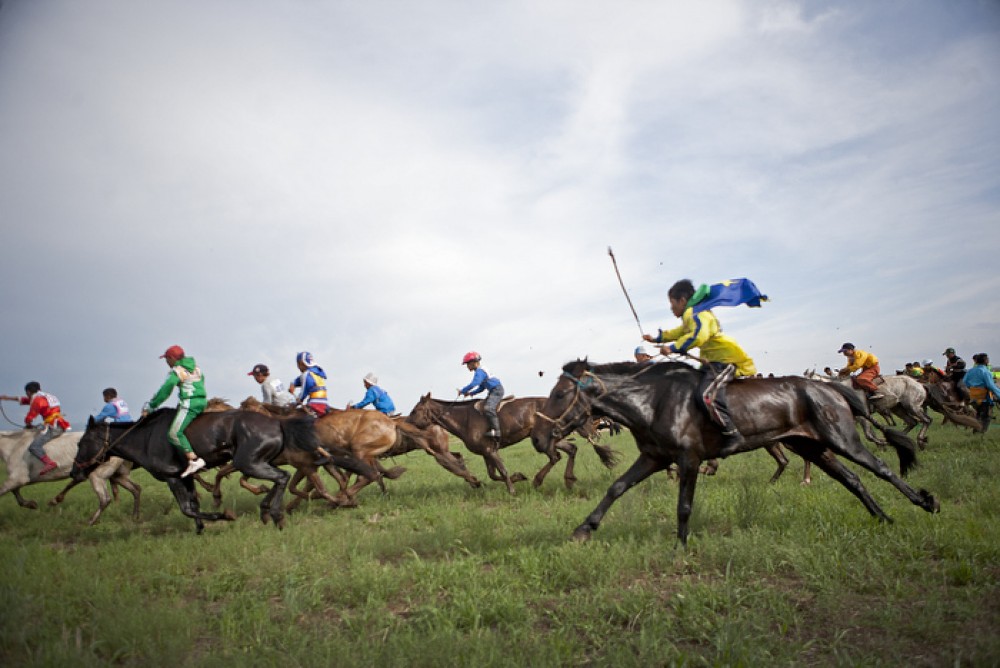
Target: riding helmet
173 353
471 356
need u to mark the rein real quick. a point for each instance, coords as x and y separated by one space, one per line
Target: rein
108 445
7 418
580 384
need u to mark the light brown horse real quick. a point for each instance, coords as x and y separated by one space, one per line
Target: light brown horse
517 418
369 436
304 463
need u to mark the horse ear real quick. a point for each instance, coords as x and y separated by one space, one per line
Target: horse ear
426 396
90 421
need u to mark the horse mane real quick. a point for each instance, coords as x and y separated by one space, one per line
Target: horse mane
577 367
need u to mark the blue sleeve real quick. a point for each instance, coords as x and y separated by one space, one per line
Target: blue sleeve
369 397
476 386
107 412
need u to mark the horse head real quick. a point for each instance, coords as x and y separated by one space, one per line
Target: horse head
92 449
424 413
567 407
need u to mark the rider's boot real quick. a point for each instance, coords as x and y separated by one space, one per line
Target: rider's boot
193 465
49 465
494 430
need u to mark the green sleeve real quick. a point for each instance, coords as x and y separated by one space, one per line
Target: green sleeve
165 390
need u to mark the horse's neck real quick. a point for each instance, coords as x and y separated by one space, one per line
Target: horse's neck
453 417
624 400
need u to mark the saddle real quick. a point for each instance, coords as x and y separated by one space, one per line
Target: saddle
478 403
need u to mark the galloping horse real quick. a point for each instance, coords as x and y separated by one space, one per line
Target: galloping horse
23 468
901 396
251 440
517 418
369 436
659 406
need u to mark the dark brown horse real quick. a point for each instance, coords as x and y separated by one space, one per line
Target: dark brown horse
517 418
659 406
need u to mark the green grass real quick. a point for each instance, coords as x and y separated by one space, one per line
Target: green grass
438 574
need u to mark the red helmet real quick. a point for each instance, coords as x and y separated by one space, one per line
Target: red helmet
173 353
471 356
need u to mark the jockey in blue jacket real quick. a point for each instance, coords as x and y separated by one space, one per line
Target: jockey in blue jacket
376 396
115 409
482 380
313 384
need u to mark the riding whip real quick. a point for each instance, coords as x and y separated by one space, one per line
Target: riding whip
627 298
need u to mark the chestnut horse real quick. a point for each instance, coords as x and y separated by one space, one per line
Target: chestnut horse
660 407
517 418
369 436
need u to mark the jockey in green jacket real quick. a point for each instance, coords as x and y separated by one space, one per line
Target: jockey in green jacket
191 401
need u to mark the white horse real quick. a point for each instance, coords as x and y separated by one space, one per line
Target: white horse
23 468
901 396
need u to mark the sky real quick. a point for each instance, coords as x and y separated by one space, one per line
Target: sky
391 184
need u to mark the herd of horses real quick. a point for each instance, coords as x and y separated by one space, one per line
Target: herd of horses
813 417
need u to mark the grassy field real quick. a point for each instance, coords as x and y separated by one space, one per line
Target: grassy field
438 574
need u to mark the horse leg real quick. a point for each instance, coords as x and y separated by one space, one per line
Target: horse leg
30 504
61 496
687 473
828 463
187 500
643 467
256 490
251 462
125 481
569 477
849 445
453 464
544 471
779 456
103 497
870 433
491 454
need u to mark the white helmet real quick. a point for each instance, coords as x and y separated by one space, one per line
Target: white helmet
371 379
928 362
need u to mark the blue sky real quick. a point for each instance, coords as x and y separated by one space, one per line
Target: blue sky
391 184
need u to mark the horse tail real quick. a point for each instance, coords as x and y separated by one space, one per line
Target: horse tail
609 457
905 447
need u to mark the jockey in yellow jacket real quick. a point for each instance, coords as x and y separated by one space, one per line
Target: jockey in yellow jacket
721 355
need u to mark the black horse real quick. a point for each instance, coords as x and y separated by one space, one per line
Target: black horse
252 441
658 404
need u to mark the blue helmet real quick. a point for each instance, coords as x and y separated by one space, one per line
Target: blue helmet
305 358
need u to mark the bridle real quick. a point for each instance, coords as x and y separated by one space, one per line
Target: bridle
106 447
586 380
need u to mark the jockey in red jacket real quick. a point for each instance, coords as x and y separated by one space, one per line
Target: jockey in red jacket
53 423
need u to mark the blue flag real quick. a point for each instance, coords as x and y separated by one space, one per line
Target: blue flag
728 293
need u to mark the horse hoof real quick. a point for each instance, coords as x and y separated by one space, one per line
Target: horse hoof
229 515
581 535
56 501
31 505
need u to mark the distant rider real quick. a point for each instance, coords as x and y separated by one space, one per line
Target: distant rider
982 388
867 363
271 389
482 380
311 384
375 396
44 405
115 409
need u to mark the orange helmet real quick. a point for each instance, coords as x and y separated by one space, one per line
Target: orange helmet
471 356
173 353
